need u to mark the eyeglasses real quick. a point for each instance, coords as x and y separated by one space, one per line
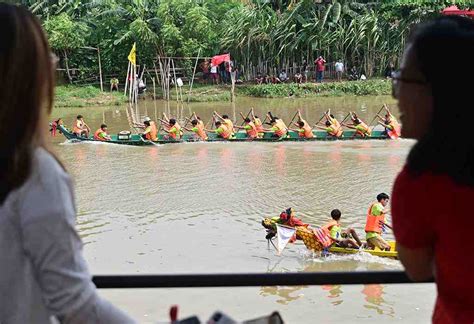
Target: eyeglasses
397 78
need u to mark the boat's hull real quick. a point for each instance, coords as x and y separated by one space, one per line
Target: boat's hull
136 139
377 252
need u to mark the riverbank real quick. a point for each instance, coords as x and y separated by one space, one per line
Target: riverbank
85 96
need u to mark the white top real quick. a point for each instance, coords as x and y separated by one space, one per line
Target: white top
339 66
213 69
43 274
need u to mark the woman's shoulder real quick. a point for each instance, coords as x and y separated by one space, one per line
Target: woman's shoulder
47 167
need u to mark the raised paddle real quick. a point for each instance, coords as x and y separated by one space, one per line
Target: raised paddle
320 119
375 117
248 114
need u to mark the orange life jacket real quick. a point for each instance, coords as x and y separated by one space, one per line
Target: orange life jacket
322 235
97 133
252 132
308 132
395 131
327 229
230 125
178 131
367 130
258 125
281 131
372 223
201 132
335 131
226 133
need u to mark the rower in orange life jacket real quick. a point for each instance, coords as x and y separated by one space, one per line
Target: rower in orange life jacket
347 238
304 130
376 221
360 127
174 130
258 124
250 128
221 131
80 128
390 123
226 121
331 129
101 134
198 129
150 132
278 129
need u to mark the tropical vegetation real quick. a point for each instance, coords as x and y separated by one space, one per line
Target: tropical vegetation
261 35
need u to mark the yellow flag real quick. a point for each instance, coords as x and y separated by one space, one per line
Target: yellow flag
132 57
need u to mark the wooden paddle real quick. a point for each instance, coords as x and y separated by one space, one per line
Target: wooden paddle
375 118
320 119
292 119
342 122
245 117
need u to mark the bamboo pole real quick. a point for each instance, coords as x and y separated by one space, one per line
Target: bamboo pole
154 89
126 79
175 82
100 71
194 73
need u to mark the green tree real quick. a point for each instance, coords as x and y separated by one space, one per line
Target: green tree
65 35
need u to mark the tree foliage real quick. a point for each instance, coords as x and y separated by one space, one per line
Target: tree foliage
259 34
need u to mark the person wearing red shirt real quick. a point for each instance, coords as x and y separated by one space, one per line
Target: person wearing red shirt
431 212
319 62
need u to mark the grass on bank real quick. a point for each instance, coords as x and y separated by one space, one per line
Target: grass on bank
328 89
85 96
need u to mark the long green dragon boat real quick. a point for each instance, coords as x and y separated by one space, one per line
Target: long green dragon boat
137 140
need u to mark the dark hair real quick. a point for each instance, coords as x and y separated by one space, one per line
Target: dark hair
332 116
103 126
382 196
356 121
26 92
336 214
225 116
194 122
172 121
440 151
218 123
79 117
146 123
300 123
328 123
255 116
247 120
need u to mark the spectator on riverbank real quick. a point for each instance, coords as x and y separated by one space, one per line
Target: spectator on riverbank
214 75
432 217
320 67
305 71
205 65
339 66
43 277
298 78
389 71
259 79
283 77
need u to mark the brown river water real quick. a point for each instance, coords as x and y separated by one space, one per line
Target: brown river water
196 208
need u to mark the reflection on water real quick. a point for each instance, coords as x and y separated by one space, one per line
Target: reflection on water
197 207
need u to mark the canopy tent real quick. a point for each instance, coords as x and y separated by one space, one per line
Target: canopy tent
454 10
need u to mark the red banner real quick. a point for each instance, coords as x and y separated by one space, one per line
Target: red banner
218 59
